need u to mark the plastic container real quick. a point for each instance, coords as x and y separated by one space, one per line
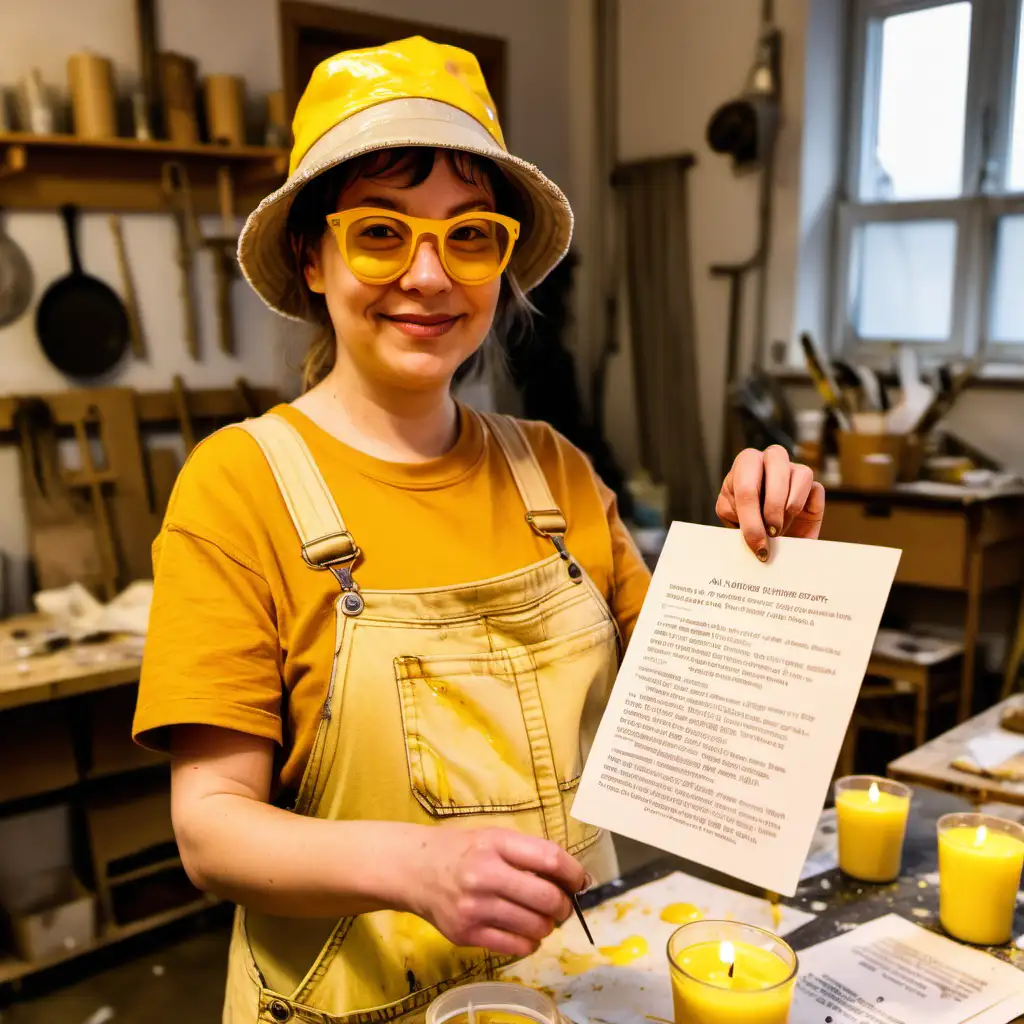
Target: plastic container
493 1002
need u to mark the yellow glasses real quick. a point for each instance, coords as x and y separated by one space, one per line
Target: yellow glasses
379 245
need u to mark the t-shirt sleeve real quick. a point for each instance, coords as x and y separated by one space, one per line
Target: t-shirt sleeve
631 577
212 654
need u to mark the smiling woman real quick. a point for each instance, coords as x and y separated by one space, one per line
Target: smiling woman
406 180
395 616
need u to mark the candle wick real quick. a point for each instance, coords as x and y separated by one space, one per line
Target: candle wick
732 967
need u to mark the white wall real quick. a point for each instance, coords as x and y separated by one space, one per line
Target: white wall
239 37
679 60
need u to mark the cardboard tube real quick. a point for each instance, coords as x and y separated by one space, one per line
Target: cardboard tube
225 109
91 83
178 80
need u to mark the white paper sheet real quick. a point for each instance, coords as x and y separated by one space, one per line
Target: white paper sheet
893 972
595 990
730 708
993 748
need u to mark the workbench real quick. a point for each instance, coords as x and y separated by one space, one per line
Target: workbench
65 740
931 765
953 540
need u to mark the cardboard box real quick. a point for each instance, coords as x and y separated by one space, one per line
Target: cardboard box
50 913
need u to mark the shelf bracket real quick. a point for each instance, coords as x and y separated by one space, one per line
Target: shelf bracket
15 160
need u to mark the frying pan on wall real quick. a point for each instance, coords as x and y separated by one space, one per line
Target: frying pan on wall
81 322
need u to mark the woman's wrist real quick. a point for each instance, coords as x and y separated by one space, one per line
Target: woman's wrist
379 863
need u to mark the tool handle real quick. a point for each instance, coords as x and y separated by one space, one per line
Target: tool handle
70 215
226 200
131 300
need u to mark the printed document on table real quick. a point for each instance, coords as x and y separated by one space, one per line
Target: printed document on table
891 971
730 708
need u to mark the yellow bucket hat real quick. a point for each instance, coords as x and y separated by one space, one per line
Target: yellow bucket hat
409 93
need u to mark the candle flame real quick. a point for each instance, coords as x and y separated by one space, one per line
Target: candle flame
727 953
873 793
982 835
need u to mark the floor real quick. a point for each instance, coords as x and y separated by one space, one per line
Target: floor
176 977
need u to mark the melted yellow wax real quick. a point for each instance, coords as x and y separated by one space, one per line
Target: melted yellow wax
576 963
626 951
623 907
681 913
471 716
493 1017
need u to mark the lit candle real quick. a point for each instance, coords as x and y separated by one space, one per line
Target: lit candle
980 860
871 818
492 1002
724 972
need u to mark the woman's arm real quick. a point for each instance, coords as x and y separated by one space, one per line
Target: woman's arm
491 888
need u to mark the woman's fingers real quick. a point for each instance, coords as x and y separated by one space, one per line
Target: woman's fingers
742 492
777 489
544 858
801 480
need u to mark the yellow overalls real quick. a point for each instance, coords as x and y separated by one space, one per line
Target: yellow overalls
467 706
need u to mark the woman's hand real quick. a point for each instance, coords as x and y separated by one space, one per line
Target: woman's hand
766 495
493 888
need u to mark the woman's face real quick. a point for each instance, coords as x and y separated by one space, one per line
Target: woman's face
415 332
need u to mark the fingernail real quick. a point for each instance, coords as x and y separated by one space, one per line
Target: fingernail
762 554
588 882
772 531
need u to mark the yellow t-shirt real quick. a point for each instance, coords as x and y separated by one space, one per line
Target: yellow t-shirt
241 630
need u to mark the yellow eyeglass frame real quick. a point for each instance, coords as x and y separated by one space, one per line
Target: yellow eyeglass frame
421 227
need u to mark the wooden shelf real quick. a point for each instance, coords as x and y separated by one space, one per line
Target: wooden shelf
13 968
41 172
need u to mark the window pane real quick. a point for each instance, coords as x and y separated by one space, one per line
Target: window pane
1007 293
902 281
922 97
1015 180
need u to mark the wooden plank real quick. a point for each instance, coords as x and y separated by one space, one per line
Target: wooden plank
930 765
11 968
154 408
124 174
63 673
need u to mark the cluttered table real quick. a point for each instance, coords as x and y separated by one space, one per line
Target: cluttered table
981 759
626 979
37 664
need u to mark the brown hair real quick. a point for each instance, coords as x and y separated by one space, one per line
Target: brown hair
319 198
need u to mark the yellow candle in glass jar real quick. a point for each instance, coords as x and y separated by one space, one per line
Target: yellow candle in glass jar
724 972
980 861
871 819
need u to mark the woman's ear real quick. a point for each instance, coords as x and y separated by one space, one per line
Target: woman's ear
312 268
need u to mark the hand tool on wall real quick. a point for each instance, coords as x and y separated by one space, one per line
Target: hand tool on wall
178 196
131 300
188 434
223 249
15 279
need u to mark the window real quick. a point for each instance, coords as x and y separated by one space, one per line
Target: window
931 234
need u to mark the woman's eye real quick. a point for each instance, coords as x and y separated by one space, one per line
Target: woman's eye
467 234
380 231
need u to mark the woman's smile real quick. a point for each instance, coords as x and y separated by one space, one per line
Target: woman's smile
423 325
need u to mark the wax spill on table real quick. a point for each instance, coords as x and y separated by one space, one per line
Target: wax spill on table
576 963
623 907
681 913
622 988
631 948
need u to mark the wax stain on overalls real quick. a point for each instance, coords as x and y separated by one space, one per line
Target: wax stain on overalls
465 706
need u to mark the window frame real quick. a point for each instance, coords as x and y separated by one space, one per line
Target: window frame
995 29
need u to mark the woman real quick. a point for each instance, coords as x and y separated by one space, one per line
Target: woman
384 626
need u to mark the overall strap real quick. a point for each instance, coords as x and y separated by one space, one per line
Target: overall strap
325 542
543 515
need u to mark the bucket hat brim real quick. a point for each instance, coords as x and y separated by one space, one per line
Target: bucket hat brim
265 253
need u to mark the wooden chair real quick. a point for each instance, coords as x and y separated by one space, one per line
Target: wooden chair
890 679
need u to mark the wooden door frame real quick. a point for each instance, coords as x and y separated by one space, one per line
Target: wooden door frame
297 15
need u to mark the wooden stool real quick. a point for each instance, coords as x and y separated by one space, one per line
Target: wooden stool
906 676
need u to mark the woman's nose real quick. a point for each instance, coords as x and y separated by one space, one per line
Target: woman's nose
426 274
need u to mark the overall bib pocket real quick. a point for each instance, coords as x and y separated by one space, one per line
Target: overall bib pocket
499 732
